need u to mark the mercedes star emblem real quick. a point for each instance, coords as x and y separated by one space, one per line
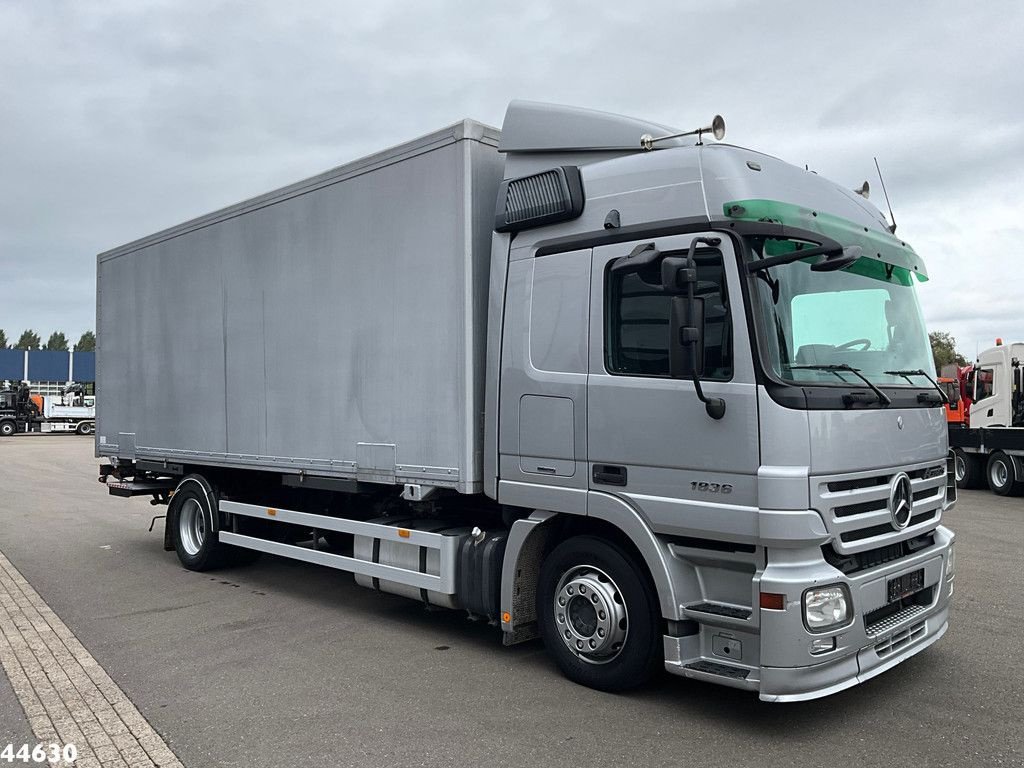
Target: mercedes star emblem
901 500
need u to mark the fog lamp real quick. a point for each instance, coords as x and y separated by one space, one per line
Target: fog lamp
827 608
822 645
951 561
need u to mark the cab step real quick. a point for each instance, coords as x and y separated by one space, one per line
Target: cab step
706 667
721 609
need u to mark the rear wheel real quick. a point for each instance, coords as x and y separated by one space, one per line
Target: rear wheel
969 470
1000 475
193 528
598 615
7 428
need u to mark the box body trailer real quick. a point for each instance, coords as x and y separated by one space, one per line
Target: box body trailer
335 327
659 402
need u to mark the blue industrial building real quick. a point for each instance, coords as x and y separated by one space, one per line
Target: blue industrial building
45 369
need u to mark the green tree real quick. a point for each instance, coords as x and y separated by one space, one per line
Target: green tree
29 340
87 343
3 339
944 350
58 342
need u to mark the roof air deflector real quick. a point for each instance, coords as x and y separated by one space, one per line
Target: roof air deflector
532 126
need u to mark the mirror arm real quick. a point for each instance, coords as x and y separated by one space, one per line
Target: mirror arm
715 406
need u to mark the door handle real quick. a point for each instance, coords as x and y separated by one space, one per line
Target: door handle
989 411
609 474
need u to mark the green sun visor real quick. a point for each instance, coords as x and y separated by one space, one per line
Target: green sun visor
885 256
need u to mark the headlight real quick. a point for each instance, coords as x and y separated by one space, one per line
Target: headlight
951 560
827 608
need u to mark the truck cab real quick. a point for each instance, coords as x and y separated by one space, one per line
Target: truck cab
997 387
798 458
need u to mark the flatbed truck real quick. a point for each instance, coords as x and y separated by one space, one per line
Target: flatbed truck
989 445
657 400
69 411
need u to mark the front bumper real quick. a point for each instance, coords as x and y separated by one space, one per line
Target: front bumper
782 684
785 668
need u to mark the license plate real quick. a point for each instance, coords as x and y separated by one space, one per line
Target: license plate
905 585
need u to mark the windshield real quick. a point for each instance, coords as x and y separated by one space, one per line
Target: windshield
865 316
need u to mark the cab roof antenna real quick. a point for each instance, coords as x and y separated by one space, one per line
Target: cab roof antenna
892 227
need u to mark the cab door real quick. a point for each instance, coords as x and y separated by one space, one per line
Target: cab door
650 441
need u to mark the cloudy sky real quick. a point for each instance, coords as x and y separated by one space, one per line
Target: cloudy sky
121 117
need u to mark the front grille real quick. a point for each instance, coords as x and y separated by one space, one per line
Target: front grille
872 558
867 482
900 640
874 506
855 506
884 528
852 485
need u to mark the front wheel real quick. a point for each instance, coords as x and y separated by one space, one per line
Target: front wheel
7 428
598 614
85 428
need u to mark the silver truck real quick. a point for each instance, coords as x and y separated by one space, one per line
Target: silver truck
658 401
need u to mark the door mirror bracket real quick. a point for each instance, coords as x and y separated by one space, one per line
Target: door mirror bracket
686 350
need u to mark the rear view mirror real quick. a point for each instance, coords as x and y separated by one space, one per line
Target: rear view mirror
686 344
676 274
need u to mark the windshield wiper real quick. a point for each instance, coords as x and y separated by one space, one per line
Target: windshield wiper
834 368
836 257
919 372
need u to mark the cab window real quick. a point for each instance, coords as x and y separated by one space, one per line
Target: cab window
637 322
984 384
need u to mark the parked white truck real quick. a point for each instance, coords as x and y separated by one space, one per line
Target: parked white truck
990 447
656 401
69 411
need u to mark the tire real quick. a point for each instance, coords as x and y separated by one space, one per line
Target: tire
7 428
595 581
193 527
84 428
999 473
969 471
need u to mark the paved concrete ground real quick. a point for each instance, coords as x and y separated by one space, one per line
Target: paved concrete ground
282 664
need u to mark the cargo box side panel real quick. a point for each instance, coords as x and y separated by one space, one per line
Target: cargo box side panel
160 367
363 322
327 327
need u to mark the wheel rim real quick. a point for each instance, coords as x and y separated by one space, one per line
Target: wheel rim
191 527
999 473
961 468
7 428
590 614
